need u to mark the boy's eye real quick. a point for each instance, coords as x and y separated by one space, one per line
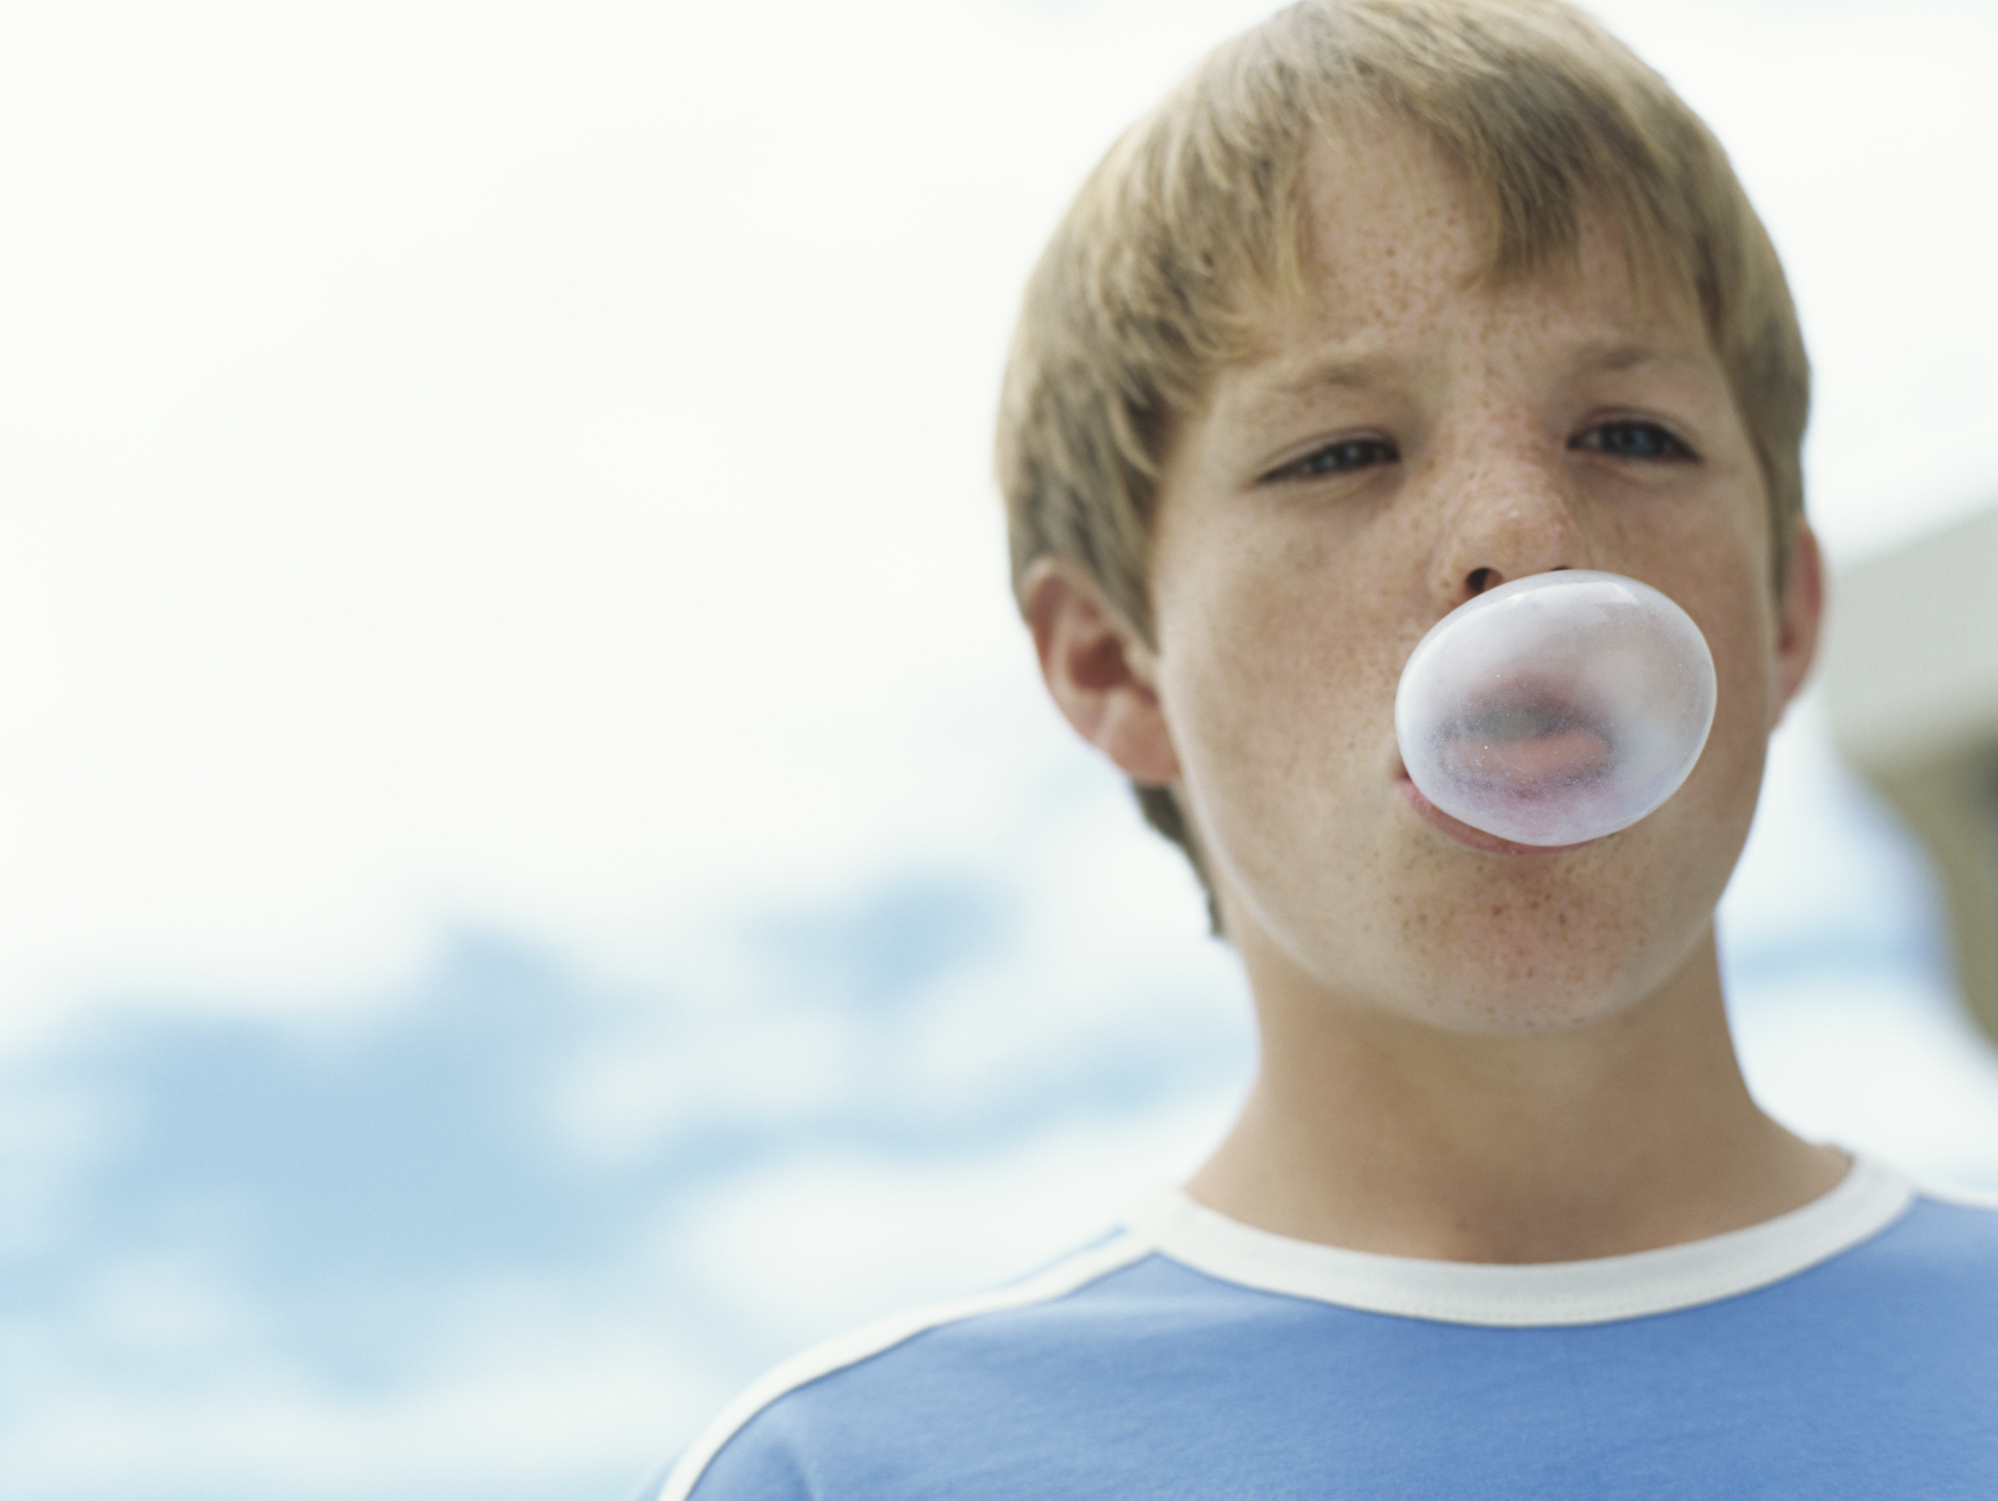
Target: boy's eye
1337 458
1632 440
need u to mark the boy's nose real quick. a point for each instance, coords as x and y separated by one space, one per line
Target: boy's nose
1508 520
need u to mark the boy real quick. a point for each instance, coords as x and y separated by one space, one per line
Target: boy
1395 301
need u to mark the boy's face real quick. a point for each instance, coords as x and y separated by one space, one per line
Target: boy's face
1411 437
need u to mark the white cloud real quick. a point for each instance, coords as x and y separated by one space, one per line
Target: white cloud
541 1418
823 1240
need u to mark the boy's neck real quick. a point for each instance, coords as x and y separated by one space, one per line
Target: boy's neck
1372 1132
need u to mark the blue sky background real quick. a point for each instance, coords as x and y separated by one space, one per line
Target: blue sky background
537 877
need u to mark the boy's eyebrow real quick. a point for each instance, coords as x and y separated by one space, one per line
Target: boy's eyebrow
1351 374
1364 372
1629 356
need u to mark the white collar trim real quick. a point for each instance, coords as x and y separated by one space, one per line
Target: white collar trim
1870 1197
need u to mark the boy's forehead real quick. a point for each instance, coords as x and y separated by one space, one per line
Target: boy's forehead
1376 194
1396 244
1390 223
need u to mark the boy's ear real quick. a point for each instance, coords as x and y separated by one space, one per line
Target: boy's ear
1799 612
1101 673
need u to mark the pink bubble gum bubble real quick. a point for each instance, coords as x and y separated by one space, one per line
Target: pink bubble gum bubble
1556 709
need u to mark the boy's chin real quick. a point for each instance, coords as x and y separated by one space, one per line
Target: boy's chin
1536 958
1532 956
1491 983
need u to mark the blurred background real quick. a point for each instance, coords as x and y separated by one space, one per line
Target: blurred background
535 873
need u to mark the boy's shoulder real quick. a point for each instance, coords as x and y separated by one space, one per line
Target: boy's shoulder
822 1395
1191 1355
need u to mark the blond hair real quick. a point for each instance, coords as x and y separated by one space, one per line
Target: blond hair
1193 218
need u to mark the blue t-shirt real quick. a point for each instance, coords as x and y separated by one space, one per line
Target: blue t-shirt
1848 1349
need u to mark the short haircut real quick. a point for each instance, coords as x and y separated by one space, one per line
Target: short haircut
1193 219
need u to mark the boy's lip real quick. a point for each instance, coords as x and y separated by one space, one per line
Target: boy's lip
1464 834
1530 740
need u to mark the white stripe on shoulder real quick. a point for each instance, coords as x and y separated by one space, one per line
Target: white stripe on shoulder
1955 1193
1064 1277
